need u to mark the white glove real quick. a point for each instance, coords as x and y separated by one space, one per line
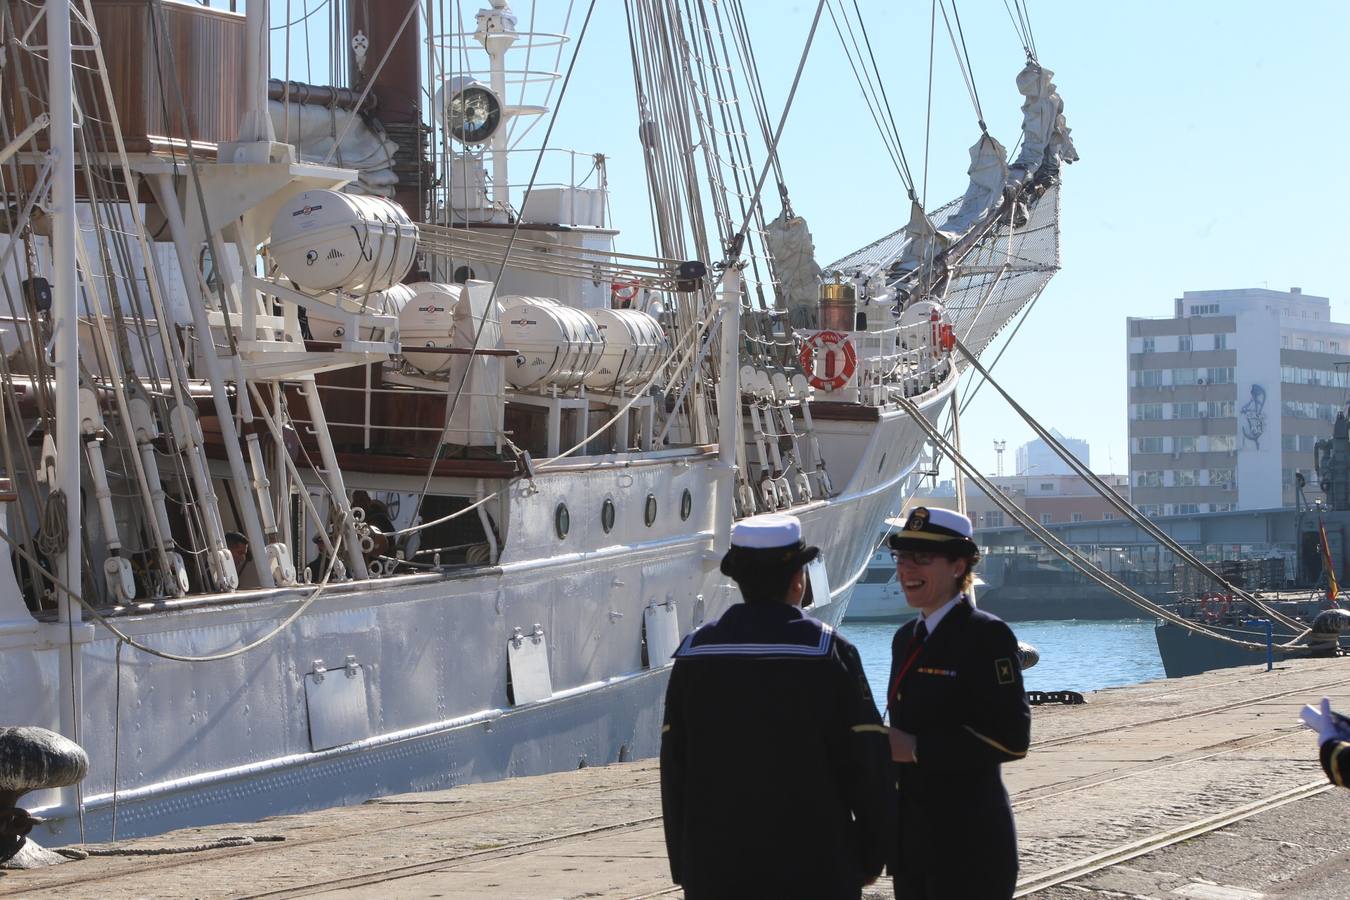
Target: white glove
1322 720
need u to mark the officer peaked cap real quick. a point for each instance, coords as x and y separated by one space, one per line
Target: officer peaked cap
934 530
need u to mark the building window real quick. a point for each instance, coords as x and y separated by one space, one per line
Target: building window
1106 517
1334 347
1187 509
1148 411
1219 375
1045 518
1184 343
1077 517
1221 341
1150 378
1319 346
1284 341
1184 444
1222 443
1152 510
1148 479
1047 486
1148 445
1186 477
1183 376
1289 443
1221 477
1185 410
1287 478
1205 309
1150 345
1301 343
994 518
1218 409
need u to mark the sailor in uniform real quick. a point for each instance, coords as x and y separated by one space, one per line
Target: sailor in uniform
957 713
1333 740
775 771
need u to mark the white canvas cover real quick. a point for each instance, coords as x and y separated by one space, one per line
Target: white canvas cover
1043 127
313 129
475 422
794 253
988 172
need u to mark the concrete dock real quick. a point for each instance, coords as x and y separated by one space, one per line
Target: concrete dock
1203 787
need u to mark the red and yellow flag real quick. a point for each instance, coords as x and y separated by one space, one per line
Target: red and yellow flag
1332 589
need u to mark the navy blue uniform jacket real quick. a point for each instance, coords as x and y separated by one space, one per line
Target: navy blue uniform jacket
961 696
776 778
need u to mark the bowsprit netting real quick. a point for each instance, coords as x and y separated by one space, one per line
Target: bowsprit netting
1004 271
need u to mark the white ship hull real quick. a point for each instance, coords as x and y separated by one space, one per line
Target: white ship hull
175 744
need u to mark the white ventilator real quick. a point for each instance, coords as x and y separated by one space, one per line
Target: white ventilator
326 241
920 324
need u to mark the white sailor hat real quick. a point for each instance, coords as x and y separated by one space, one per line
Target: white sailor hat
935 530
769 540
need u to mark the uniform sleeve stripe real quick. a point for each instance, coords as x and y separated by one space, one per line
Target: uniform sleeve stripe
1335 764
995 744
879 729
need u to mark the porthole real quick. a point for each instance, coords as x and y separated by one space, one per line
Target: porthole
607 515
562 520
463 275
686 505
649 513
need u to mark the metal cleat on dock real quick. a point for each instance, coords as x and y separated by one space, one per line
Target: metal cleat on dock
32 759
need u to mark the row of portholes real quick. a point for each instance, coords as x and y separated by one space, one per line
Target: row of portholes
562 519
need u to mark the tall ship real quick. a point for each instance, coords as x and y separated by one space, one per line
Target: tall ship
349 447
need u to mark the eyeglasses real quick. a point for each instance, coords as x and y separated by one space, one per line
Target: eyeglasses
913 557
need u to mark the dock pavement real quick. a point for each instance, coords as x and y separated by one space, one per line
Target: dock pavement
1201 787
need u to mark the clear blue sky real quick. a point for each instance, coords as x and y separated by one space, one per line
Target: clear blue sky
1213 139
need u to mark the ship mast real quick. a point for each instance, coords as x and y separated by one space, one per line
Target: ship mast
65 300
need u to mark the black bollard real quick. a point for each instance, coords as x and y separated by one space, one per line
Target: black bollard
32 759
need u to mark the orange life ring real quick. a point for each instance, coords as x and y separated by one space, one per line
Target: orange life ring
835 345
623 292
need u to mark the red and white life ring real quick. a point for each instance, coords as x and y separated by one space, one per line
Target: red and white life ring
837 349
624 290
1214 605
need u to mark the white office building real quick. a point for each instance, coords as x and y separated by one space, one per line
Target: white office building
1037 458
1228 396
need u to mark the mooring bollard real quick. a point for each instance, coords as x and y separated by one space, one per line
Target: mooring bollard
32 759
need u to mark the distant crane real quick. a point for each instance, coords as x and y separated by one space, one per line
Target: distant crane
999 447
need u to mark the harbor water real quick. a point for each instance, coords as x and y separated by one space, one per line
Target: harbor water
1076 655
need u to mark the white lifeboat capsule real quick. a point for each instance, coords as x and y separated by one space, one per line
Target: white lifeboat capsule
328 240
555 344
428 320
635 348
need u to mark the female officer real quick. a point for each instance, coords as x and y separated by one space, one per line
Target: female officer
957 713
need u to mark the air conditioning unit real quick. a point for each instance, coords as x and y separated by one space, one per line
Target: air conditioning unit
1200 381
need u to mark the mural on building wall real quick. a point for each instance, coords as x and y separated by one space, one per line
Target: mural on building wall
1254 417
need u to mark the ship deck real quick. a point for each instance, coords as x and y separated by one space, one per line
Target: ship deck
1203 787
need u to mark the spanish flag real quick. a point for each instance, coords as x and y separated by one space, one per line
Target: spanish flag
1332 589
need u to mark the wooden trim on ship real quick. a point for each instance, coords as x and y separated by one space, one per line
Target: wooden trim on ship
844 412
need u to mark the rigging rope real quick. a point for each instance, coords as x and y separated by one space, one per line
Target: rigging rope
1119 503
963 62
1063 550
